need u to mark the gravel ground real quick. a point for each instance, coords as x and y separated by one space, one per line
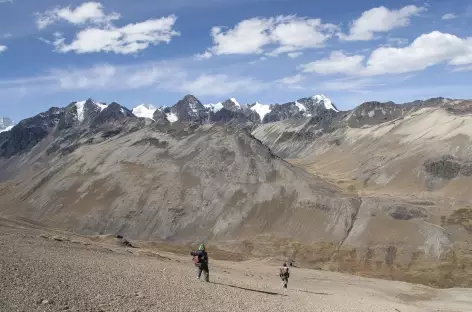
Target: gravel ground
45 270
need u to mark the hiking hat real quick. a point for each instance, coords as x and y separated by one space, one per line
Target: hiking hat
201 247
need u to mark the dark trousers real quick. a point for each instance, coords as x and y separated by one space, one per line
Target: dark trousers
203 268
285 281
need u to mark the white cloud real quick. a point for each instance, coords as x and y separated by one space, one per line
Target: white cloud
379 20
6 1
88 12
7 35
286 33
260 59
144 78
129 39
294 54
45 40
18 82
348 84
166 76
463 68
397 41
94 78
292 80
203 56
293 33
154 74
2 48
337 62
247 37
219 84
111 77
104 36
425 51
449 16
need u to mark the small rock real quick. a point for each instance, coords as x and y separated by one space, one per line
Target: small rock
45 301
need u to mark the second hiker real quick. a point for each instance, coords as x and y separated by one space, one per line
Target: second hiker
200 258
284 274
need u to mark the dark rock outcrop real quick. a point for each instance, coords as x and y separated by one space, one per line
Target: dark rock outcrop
28 132
189 109
91 111
159 117
447 167
231 105
374 113
113 112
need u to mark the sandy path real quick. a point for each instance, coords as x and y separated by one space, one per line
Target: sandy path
41 274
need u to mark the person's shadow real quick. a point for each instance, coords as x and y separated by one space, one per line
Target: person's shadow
312 292
249 289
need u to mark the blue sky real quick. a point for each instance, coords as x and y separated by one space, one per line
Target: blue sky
155 51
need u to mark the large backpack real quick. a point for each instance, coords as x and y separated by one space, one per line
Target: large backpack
284 272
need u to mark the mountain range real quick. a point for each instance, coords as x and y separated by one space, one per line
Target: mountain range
381 189
191 109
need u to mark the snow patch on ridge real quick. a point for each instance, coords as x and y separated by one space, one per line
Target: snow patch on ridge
100 105
327 102
235 102
81 105
214 107
6 129
80 110
300 106
261 109
144 111
172 117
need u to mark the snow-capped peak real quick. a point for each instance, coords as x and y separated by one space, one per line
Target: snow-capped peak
214 107
144 111
81 105
261 109
326 101
6 124
235 102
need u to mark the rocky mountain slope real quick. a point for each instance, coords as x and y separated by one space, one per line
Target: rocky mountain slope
195 172
382 144
412 160
100 169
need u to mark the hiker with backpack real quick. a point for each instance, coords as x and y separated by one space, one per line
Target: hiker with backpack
200 258
284 274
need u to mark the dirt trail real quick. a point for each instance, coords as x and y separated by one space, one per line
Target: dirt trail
45 270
